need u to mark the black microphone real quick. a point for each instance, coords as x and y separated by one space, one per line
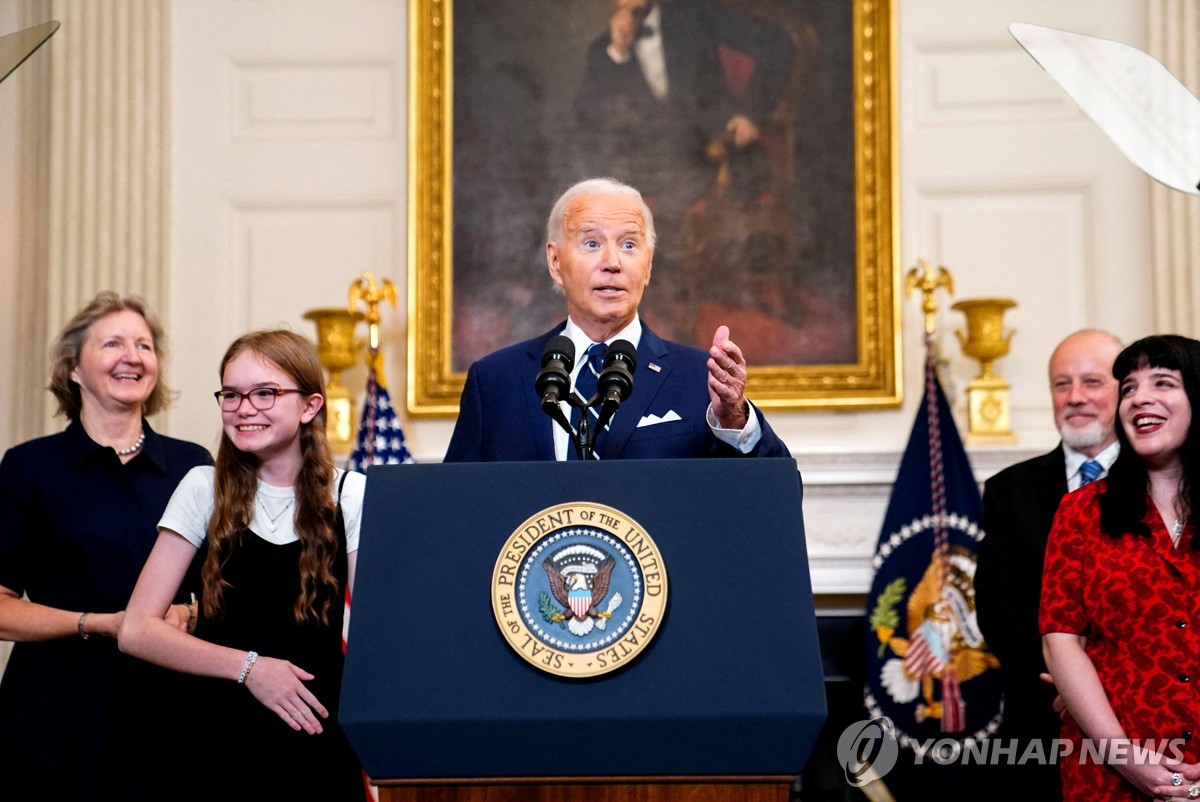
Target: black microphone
615 382
553 382
616 377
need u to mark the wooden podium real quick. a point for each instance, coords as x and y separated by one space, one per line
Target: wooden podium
724 704
609 789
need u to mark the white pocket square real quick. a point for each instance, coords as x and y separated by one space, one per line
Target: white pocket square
650 420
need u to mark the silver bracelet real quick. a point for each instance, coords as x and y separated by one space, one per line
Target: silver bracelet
83 635
251 659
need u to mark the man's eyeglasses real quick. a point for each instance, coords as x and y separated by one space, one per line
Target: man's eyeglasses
261 398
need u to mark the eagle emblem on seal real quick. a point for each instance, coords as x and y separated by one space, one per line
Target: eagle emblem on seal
579 578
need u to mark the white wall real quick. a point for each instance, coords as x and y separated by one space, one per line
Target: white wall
288 173
1006 182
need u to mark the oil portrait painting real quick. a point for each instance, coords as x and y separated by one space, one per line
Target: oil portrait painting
759 133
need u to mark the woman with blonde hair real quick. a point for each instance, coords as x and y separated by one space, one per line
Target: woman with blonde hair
276 527
80 510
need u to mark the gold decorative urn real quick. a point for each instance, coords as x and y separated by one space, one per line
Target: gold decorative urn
988 409
338 351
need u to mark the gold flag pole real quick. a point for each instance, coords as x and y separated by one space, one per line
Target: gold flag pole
928 280
366 290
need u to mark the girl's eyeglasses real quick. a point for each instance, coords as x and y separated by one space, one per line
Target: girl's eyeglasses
261 398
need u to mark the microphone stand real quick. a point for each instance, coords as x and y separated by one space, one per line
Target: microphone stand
607 409
551 408
581 438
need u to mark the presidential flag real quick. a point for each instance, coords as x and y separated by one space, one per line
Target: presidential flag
928 667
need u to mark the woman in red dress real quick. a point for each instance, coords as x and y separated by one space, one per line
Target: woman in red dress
1120 614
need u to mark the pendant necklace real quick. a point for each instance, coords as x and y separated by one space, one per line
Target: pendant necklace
271 519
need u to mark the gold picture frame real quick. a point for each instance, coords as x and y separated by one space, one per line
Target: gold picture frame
870 378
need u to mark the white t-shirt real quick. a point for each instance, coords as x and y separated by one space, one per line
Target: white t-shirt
191 507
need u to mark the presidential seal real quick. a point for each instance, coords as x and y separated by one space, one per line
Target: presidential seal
579 589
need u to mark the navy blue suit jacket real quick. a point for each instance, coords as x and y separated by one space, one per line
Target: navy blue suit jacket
501 419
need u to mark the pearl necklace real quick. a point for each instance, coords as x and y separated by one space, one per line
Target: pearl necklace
271 519
135 448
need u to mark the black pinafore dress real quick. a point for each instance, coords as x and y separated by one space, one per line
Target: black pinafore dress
247 748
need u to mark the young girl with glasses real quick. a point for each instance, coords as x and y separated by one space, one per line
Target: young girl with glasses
276 528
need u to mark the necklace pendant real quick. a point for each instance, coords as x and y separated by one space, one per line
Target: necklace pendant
271 519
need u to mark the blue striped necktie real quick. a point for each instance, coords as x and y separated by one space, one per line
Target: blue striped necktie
585 386
1089 472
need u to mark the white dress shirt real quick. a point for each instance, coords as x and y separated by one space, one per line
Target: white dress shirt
1075 460
744 439
649 50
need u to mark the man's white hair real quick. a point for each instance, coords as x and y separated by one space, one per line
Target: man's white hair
596 186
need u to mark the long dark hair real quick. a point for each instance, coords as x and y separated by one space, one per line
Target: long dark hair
237 481
1123 504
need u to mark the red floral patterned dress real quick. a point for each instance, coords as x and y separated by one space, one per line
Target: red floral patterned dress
1137 601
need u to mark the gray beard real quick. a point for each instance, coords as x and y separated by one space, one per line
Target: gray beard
1088 437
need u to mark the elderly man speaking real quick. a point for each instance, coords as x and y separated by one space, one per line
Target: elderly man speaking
685 402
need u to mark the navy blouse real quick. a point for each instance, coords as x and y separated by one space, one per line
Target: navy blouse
76 526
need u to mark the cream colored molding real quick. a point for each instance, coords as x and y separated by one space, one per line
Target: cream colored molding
1174 37
96 136
846 494
957 85
329 100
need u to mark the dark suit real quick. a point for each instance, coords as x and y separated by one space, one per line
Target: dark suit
1018 510
658 145
501 418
